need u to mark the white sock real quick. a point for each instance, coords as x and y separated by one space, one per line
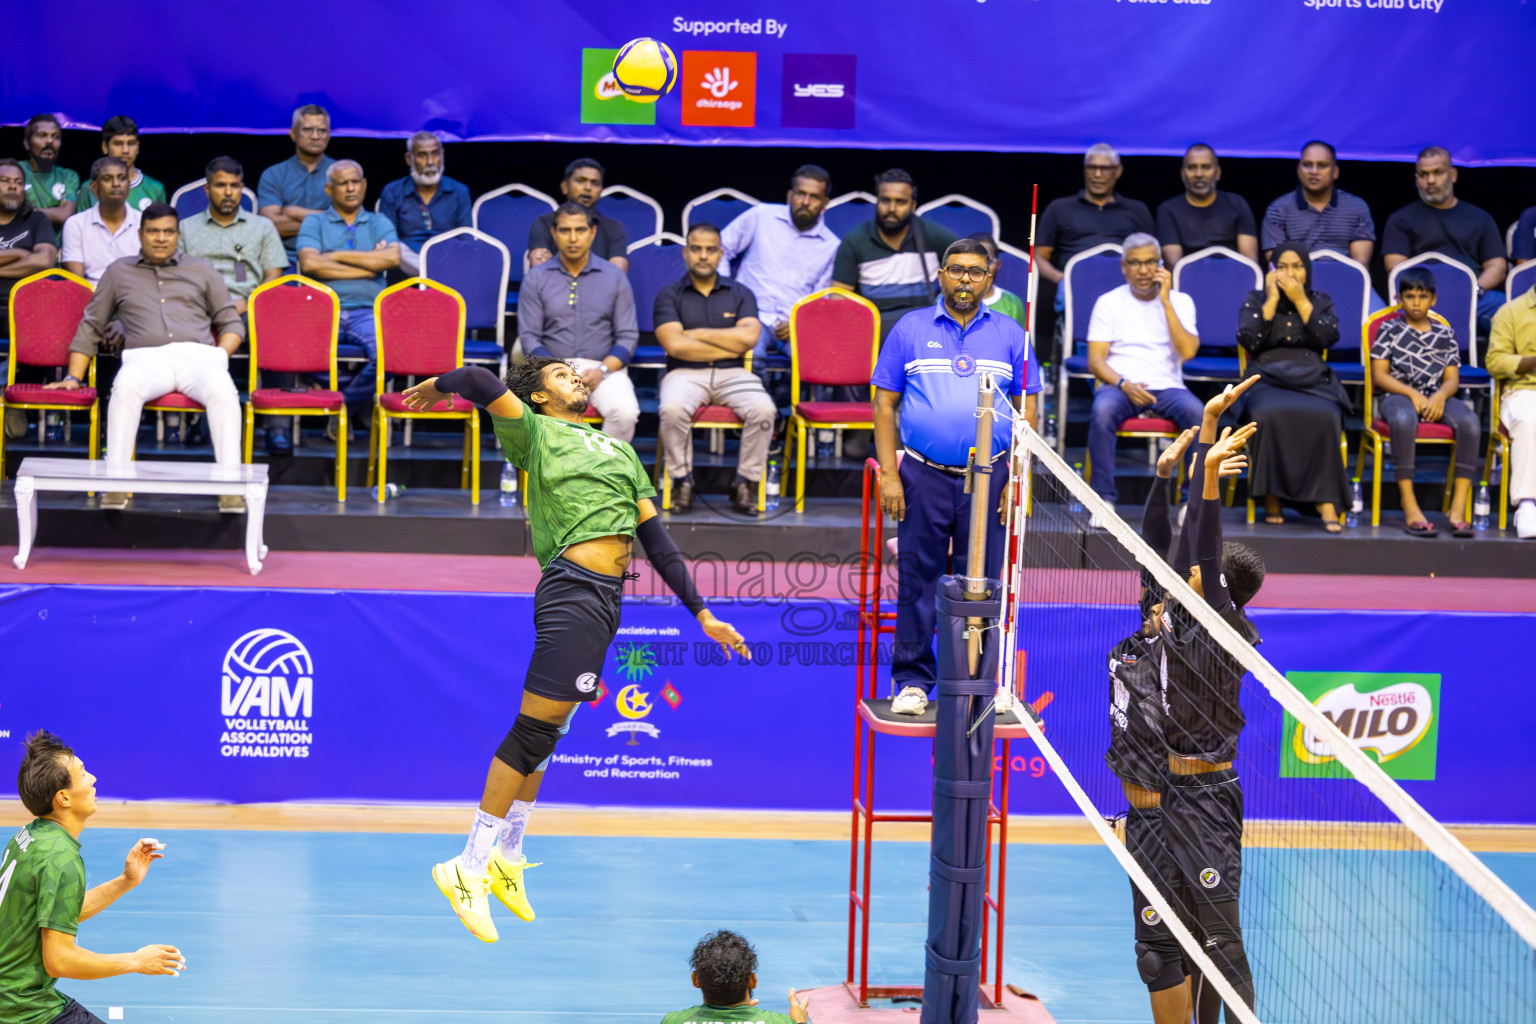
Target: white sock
482 833
509 840
1527 501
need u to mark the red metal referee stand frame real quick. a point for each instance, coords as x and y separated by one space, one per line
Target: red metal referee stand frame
873 623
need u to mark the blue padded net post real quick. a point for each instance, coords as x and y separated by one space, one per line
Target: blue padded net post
962 790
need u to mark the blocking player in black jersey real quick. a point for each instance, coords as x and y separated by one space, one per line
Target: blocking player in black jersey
1202 800
1137 755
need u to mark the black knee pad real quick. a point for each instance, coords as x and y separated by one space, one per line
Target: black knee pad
1161 964
528 743
1224 945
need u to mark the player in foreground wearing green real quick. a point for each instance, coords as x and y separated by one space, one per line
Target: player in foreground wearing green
588 501
43 897
725 970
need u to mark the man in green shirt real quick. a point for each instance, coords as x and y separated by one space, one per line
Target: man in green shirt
43 897
50 188
588 501
120 138
725 970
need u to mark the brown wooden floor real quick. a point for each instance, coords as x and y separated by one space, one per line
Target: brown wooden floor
709 824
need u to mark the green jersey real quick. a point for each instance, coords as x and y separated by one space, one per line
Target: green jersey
1007 303
42 885
581 482
45 191
143 191
707 1014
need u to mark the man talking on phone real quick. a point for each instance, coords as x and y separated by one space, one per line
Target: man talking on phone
1139 337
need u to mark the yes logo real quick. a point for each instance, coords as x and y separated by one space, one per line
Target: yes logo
719 88
1392 716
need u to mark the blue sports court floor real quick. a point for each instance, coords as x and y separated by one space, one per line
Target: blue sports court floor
348 927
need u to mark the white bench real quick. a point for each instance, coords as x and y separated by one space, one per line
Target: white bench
34 474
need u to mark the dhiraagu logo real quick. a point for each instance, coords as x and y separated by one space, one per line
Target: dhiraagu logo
1394 717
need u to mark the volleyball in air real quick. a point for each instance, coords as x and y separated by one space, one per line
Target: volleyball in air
645 69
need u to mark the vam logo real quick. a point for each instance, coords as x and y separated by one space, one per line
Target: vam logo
269 672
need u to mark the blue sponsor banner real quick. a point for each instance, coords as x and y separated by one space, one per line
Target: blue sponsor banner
1252 77
251 695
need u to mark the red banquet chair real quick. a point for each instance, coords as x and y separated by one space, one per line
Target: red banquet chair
718 419
834 339
1376 431
294 322
45 311
421 334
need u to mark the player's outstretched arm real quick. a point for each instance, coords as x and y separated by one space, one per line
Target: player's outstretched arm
673 569
62 958
144 853
475 383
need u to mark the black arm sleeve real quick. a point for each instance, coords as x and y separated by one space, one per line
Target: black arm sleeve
668 562
1182 560
1204 521
475 383
1156 528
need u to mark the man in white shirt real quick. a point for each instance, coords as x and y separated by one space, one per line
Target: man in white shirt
96 238
1139 336
786 252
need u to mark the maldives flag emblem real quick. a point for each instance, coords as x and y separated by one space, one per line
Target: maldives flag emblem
670 694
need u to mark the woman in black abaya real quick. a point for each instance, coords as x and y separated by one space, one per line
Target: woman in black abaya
1298 403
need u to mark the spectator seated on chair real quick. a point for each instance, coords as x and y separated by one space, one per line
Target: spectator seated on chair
583 185
1204 216
245 249
707 324
1439 222
120 138
350 249
998 298
109 231
579 307
171 307
1319 214
1414 365
1096 215
293 190
1139 337
1512 362
1298 401
725 971
27 245
424 203
875 259
786 252
50 188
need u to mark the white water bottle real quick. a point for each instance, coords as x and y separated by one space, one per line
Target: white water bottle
508 485
771 488
1481 507
1356 505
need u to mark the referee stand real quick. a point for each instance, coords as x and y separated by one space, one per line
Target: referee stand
967 901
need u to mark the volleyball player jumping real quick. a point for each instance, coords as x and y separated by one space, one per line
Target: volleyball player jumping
588 500
1202 798
1137 754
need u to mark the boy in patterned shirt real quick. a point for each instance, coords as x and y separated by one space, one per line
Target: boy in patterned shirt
43 897
588 500
1414 368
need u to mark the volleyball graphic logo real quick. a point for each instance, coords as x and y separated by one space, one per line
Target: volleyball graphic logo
268 672
268 652
645 69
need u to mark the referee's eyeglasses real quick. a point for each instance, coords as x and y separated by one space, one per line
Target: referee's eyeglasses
958 273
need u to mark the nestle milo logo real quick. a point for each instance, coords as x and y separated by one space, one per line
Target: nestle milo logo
1393 717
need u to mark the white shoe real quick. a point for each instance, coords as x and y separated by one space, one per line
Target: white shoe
912 700
117 500
1525 520
1005 700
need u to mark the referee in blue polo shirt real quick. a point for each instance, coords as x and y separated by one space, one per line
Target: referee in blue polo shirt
928 371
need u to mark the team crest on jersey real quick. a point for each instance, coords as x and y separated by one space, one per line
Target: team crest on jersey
58 190
963 364
1151 916
586 682
1210 878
